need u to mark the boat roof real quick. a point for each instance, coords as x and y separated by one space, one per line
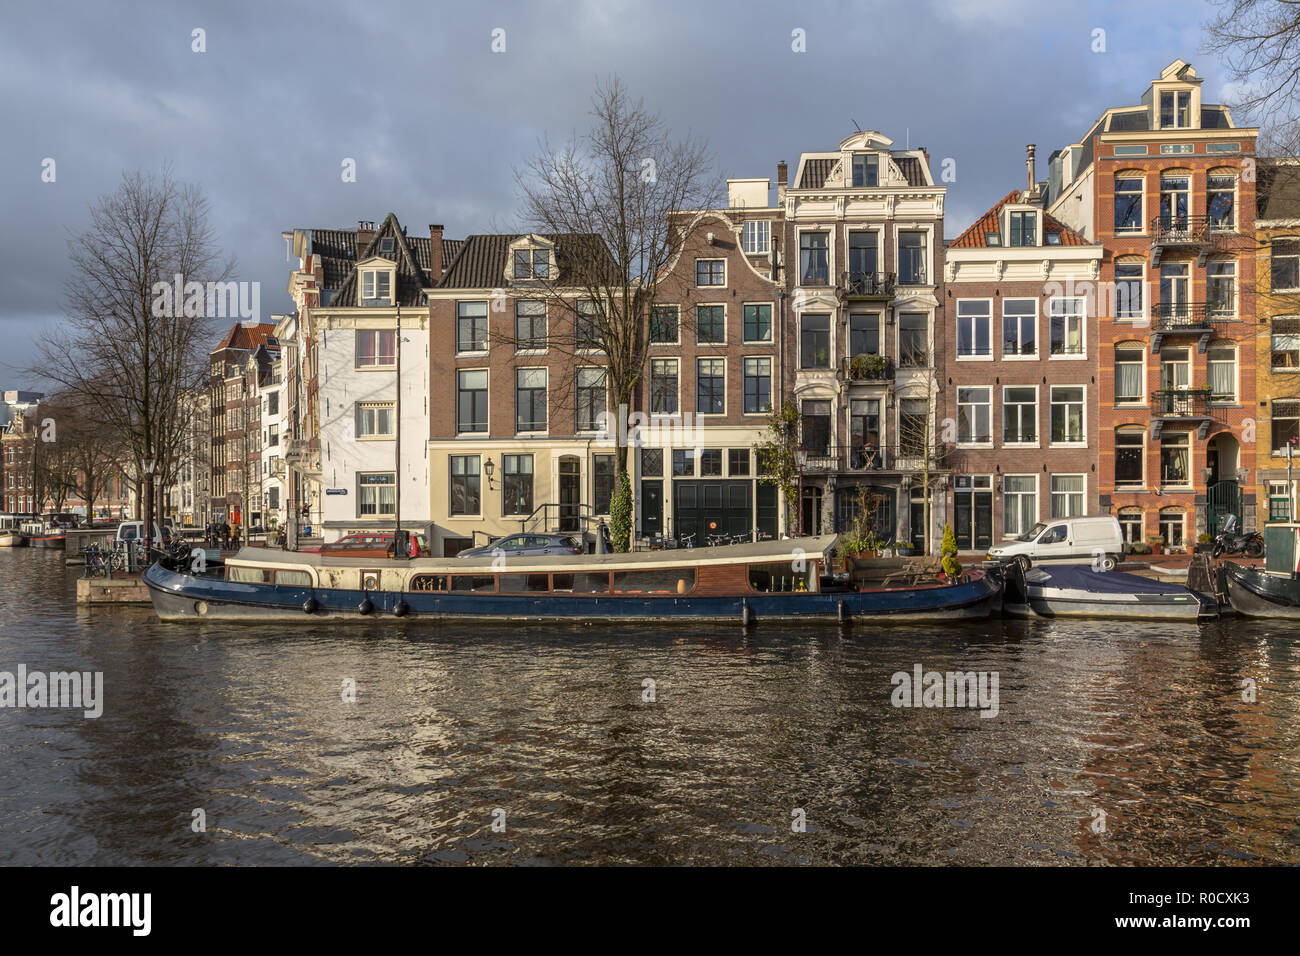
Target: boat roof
785 549
1081 577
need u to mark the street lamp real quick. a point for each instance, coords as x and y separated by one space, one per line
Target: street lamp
489 468
148 464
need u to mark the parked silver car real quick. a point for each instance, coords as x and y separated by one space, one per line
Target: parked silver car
526 545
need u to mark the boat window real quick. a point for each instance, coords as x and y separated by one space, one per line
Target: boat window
523 582
429 582
293 578
780 576
582 583
655 581
248 575
473 582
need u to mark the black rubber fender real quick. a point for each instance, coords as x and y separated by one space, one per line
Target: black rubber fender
310 606
366 606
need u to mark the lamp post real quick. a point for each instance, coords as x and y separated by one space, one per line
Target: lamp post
148 464
801 462
489 469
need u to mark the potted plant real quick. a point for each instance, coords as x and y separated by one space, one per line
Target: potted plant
948 551
1157 543
865 366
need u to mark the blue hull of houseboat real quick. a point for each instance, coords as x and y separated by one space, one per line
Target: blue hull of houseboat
183 597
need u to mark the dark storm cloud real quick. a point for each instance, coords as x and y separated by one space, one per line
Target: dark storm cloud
435 120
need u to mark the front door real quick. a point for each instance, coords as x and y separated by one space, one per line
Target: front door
570 493
974 512
652 507
812 511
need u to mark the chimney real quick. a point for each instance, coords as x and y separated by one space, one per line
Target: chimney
1029 163
435 253
782 177
365 236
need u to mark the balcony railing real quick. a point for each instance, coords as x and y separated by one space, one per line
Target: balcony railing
1185 316
867 368
871 457
1182 403
867 284
1188 230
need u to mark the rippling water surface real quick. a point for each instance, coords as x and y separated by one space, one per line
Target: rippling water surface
1144 723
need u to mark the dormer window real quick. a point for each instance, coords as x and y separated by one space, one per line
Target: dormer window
1024 228
387 246
376 287
992 238
532 264
1176 109
866 169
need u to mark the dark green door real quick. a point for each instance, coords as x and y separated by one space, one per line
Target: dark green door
652 507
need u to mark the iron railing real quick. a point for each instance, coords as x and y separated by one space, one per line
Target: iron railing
867 284
871 456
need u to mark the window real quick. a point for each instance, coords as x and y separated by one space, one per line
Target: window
1067 414
1171 527
663 325
652 462
273 435
1221 370
517 484
738 462
866 169
1221 191
1285 344
814 263
1285 255
1279 501
530 400
815 341
913 415
590 398
1067 495
756 237
1130 458
376 287
864 334
1019 415
471 401
683 462
1130 150
374 419
710 386
710 271
864 431
1128 290
532 264
1019 503
710 325
1221 288
1024 228
1175 369
1223 147
863 256
1175 458
1130 524
663 386
911 257
1066 326
1019 326
758 323
711 463
273 403
1130 375
913 340
758 385
464 484
1128 204
602 475
376 347
471 327
816 438
1286 425
530 325
1175 194
974 412
1176 109
973 328
377 494
1174 304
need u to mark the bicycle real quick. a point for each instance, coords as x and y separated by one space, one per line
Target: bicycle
686 540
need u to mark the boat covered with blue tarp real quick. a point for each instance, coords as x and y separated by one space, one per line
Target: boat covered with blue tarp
1077 590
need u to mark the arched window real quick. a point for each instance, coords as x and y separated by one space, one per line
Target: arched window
1221 288
1175 199
1172 522
1130 373
1130 523
1221 199
1130 271
1221 370
1130 457
1129 186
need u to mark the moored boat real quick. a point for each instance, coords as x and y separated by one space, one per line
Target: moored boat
1073 590
771 580
42 535
1259 593
11 535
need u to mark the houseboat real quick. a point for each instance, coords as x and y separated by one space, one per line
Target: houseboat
41 534
11 534
1072 590
1274 589
785 580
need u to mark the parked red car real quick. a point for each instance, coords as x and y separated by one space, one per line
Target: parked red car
372 544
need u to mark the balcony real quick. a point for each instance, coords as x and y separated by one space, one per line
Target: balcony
871 458
866 369
1183 406
1200 234
867 285
1188 318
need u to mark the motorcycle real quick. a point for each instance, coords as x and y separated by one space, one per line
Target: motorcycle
1229 542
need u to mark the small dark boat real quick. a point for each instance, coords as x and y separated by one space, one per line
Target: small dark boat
1257 593
41 535
771 580
1075 590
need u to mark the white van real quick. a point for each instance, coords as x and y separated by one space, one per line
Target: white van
134 530
1096 539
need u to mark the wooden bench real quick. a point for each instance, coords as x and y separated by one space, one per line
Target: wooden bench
915 571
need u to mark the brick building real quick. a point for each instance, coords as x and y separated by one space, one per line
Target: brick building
1168 187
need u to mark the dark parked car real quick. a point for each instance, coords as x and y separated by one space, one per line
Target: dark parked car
527 545
373 544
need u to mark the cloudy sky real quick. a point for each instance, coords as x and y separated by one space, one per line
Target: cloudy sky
436 120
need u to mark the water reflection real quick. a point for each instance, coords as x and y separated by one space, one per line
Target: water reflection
1145 724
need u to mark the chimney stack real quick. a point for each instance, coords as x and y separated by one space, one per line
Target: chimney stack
1029 162
782 177
365 235
435 253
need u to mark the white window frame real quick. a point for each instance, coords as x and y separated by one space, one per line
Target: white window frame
676 360
1142 394
745 360
711 285
1142 482
1010 495
359 410
696 391
1036 354
1082 316
1083 416
1038 429
487 390
1052 494
987 405
545 370
756 241
987 317
771 323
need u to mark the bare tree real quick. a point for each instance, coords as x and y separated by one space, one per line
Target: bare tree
127 347
615 199
921 451
1259 42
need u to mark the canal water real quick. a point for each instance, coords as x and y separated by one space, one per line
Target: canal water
1112 742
